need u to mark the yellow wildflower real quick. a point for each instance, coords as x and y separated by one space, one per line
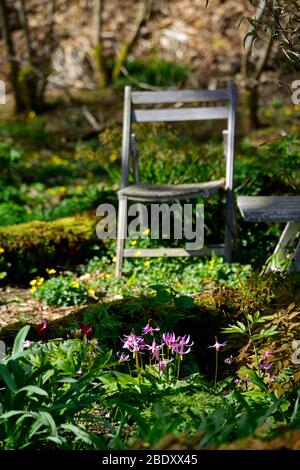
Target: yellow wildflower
133 242
113 157
146 264
75 284
267 114
288 111
114 259
91 291
107 276
33 289
146 232
40 281
1 250
138 253
33 282
31 115
51 271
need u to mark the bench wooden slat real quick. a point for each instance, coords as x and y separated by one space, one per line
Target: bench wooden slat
183 114
169 252
183 96
270 208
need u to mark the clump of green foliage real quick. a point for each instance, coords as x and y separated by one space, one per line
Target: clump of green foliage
154 72
36 245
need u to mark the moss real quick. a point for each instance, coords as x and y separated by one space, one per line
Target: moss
34 246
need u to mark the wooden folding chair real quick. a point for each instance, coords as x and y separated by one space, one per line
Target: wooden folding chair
217 104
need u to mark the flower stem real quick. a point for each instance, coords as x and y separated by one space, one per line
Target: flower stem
216 370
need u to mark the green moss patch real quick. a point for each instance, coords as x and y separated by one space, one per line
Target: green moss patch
34 246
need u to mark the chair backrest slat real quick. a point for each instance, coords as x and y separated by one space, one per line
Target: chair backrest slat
205 105
182 114
183 96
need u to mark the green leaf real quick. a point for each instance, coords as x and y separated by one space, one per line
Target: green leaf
256 380
47 420
9 414
19 341
33 389
232 329
265 333
241 325
8 378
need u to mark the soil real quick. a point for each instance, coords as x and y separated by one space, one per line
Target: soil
17 305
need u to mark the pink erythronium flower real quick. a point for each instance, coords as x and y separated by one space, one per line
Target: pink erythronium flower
149 329
123 357
133 342
218 345
265 366
163 364
183 342
238 381
267 353
169 339
271 379
154 348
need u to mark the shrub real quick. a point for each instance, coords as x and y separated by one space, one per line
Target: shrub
155 72
33 246
62 291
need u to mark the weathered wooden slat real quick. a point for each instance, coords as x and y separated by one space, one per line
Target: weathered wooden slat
154 192
270 208
182 114
169 252
183 96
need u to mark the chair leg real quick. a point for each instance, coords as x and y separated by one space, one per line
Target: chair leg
297 257
121 236
287 237
230 227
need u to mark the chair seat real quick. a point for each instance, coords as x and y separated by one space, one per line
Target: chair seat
153 192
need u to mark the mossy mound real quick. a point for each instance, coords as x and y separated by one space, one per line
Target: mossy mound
32 247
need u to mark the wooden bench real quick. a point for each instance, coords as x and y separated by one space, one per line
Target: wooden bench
270 209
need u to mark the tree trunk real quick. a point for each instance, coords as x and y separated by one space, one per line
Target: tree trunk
98 49
251 106
143 15
14 68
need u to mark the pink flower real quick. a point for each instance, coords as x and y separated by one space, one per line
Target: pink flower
169 339
265 366
267 354
183 342
218 346
163 364
271 379
133 343
149 329
123 357
154 348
